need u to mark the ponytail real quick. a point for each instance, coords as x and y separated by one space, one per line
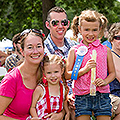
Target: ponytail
74 26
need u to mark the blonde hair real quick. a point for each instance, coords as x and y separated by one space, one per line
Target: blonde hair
89 16
114 29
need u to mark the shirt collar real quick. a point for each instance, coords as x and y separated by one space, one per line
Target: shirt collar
95 43
53 44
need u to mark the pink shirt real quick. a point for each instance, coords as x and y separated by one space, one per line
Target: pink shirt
82 84
12 86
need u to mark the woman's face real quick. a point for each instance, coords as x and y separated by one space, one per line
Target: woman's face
33 49
116 43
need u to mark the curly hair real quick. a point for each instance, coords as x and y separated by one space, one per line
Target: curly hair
74 26
114 29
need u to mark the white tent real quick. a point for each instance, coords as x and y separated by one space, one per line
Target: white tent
6 44
2 71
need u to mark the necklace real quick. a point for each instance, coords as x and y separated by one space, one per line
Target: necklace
115 53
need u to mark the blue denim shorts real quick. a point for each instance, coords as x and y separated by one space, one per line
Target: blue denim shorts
99 104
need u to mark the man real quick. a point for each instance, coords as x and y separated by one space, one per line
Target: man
56 42
16 58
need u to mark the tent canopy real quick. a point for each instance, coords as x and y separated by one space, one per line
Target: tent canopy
6 44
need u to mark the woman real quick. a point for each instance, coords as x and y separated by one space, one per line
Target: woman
17 86
114 38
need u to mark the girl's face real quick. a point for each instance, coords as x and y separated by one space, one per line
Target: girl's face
116 43
89 31
53 73
33 49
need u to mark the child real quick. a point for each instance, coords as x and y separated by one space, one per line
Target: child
50 96
91 25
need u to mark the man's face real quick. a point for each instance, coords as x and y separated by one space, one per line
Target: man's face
58 25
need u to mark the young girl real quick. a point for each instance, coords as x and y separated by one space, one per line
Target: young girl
50 97
91 25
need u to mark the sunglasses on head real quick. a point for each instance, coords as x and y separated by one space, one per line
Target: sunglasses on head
27 31
117 37
56 22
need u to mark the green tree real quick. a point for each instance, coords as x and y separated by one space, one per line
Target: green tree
15 16
110 8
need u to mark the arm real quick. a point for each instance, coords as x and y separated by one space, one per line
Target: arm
90 64
56 116
65 105
36 96
70 63
111 70
4 102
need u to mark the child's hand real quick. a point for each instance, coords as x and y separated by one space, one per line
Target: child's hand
54 116
49 115
35 118
100 82
90 64
71 102
67 116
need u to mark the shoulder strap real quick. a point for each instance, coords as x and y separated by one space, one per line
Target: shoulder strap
48 98
61 98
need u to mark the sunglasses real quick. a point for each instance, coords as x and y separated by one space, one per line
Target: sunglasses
27 31
56 22
117 37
